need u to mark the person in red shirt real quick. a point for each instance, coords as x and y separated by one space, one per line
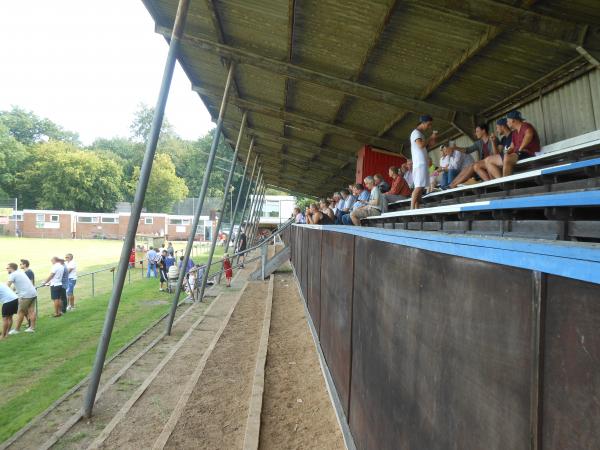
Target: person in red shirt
525 144
227 268
400 189
132 259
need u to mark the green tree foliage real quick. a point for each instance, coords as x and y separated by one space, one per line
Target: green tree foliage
142 122
64 177
13 158
29 129
164 188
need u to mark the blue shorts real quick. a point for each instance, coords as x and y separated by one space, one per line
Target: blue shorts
71 286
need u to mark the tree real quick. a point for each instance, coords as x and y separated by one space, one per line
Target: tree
164 188
142 123
29 129
64 177
13 158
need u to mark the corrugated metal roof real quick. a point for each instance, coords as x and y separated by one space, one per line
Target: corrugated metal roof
457 57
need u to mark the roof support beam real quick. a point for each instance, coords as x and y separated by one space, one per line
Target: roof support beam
515 18
295 71
361 136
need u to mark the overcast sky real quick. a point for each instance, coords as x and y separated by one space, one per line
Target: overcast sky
87 64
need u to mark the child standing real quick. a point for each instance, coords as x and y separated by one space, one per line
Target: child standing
227 268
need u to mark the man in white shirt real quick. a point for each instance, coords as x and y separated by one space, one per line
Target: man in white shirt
20 282
72 268
10 305
54 280
419 148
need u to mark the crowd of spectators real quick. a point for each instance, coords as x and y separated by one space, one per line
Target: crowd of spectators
498 152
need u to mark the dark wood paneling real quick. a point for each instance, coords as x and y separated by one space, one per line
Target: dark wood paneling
571 377
304 262
441 351
337 262
314 276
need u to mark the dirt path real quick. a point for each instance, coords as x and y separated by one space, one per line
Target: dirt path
215 415
297 412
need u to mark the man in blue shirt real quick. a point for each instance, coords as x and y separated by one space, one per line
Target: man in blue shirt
152 257
10 306
362 197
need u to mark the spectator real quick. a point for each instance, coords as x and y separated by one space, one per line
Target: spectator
163 270
170 249
381 183
132 258
190 264
65 284
484 148
406 170
525 142
317 217
326 209
337 200
345 205
504 134
227 269
54 280
10 306
419 148
449 165
27 297
362 196
151 258
24 266
242 243
373 207
434 173
72 280
399 189
298 216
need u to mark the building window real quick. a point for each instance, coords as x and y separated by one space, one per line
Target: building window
87 219
40 218
17 217
109 220
148 220
179 221
270 209
54 218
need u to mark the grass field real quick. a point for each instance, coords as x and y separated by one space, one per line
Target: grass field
37 368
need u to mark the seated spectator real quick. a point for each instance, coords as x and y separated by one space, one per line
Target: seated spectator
399 189
361 196
484 148
345 205
525 142
434 173
337 201
449 165
373 207
326 209
381 183
316 217
298 216
407 174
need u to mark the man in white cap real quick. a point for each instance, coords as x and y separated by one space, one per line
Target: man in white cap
419 148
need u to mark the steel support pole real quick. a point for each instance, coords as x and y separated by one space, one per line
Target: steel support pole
254 216
140 194
215 237
201 197
257 216
251 189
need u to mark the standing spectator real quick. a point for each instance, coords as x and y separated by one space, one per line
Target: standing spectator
10 306
72 276
419 149
381 183
151 258
399 189
132 258
65 284
54 280
242 243
298 216
525 143
27 297
375 206
24 266
170 249
163 269
227 268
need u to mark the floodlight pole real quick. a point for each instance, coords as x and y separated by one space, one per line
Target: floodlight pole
250 187
201 197
237 202
140 194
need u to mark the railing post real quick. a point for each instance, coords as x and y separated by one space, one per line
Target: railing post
213 242
136 210
201 197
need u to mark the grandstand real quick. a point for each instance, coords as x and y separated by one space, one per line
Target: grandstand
469 323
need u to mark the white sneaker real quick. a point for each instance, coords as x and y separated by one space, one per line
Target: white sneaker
14 332
69 308
29 330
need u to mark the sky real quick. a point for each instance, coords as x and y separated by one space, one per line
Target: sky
88 64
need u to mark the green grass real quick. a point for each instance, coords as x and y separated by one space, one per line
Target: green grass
36 369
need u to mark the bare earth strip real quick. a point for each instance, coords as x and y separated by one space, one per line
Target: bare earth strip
297 412
215 415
